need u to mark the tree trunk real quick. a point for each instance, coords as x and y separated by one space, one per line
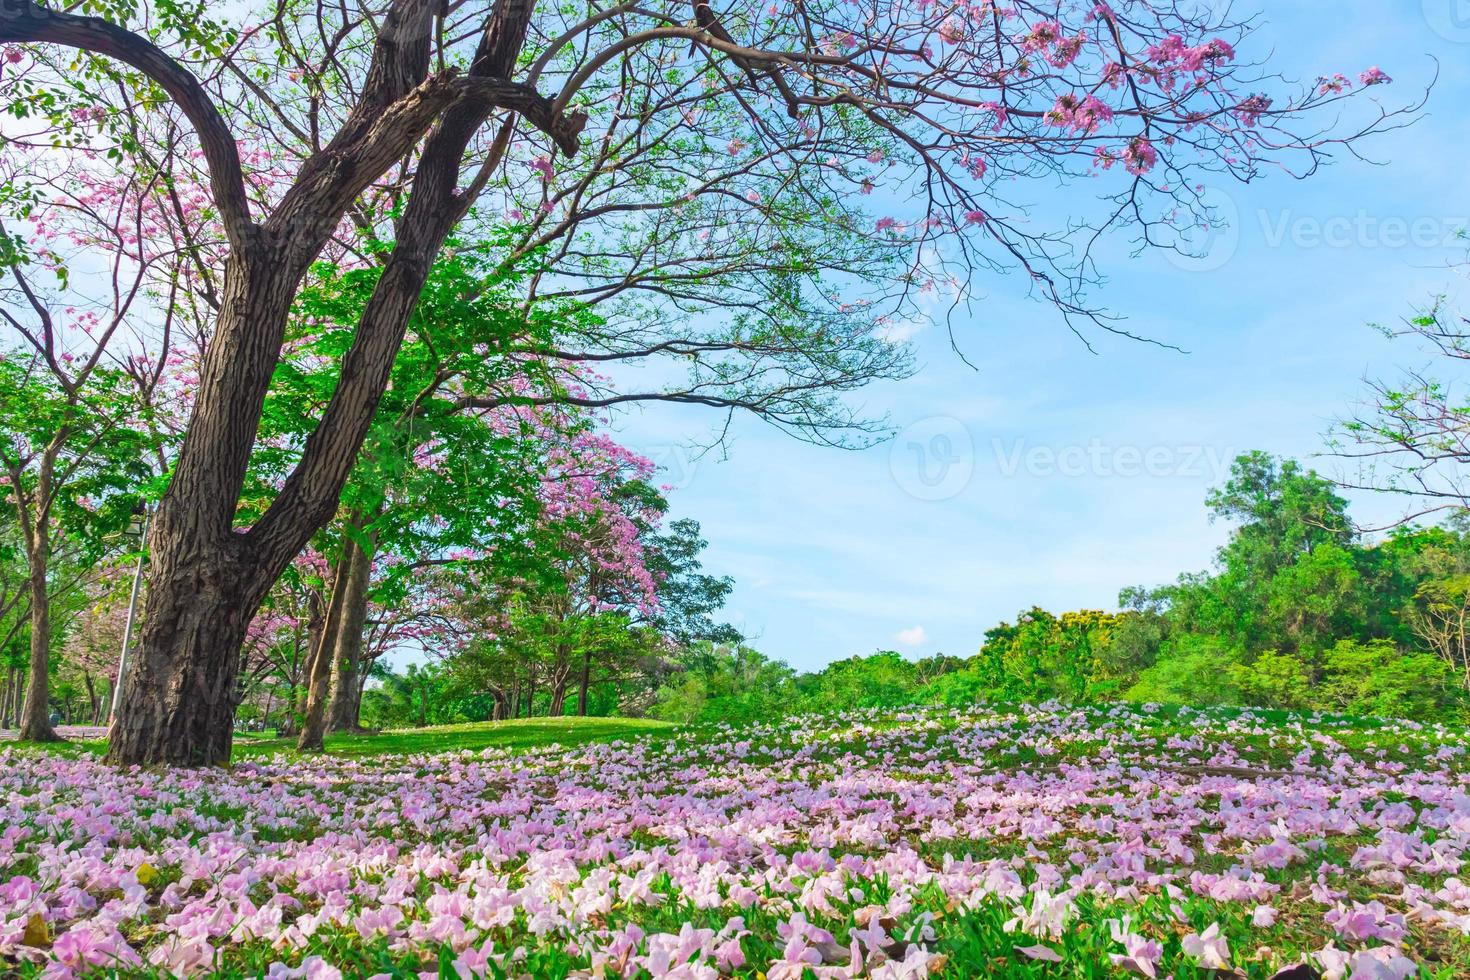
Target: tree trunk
560 677
319 673
361 685
12 705
347 655
35 723
104 703
92 700
584 682
207 578
181 689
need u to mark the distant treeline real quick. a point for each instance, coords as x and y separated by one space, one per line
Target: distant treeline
1299 611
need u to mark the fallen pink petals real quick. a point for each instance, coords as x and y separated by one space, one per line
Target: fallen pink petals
907 844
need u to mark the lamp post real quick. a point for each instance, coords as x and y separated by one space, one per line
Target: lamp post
137 530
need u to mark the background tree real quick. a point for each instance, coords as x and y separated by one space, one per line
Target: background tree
88 305
718 682
1411 438
73 464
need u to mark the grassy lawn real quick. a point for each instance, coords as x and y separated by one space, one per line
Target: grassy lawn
522 733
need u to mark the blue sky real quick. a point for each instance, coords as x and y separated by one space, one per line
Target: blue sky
1055 476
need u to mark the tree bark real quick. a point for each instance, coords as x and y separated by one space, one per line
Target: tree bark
363 671
561 676
347 655
584 682
319 673
35 721
16 695
183 681
92 700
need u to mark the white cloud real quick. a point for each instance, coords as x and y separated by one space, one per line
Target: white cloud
911 637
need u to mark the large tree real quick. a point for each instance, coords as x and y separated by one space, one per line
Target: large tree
721 163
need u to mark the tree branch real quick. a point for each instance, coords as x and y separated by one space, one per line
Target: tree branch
24 20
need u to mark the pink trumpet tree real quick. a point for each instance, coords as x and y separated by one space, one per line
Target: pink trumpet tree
589 578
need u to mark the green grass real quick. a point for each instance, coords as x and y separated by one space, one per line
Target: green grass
520 734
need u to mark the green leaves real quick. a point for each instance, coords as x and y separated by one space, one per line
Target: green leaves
100 447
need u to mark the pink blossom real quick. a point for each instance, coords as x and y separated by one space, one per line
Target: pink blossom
1140 156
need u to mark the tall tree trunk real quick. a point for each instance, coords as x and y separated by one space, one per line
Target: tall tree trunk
35 723
104 703
184 678
207 578
319 671
363 669
33 511
294 702
561 675
584 682
347 656
12 703
92 700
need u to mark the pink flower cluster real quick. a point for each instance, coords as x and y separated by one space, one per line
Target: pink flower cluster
1079 115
